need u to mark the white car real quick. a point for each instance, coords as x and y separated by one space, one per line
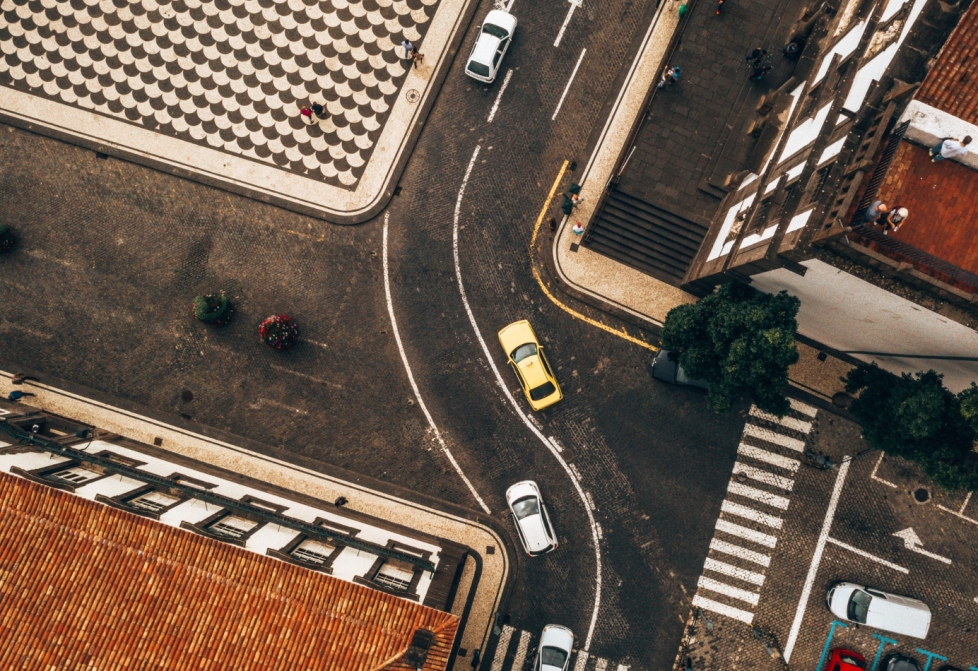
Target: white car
880 610
556 643
531 517
495 36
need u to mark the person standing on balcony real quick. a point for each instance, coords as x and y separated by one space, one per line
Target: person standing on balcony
950 147
895 219
875 211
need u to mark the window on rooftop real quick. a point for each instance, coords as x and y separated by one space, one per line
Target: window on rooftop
395 574
154 501
232 526
76 475
313 551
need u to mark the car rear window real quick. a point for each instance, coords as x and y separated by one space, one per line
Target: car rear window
553 657
526 507
859 606
853 661
478 68
523 351
543 391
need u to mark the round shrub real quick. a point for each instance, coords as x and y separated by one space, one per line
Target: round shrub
213 309
8 239
278 332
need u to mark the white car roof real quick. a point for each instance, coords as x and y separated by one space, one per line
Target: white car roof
504 20
485 49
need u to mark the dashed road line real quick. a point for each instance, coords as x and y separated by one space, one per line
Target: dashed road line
766 540
748 513
569 81
501 646
499 96
758 495
757 453
581 661
770 436
778 481
803 408
601 664
737 551
788 422
570 12
722 608
734 571
727 590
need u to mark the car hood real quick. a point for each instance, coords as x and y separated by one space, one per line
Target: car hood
533 372
517 333
840 600
533 532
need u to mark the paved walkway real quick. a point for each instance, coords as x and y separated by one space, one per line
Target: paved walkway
212 90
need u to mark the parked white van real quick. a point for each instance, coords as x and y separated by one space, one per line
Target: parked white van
864 605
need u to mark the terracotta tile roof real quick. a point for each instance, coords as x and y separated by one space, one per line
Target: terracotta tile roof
84 586
952 83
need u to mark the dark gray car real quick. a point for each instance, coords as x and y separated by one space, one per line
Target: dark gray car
665 366
900 663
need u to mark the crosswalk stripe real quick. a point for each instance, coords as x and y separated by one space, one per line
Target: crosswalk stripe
742 553
723 609
803 408
758 495
733 571
778 481
748 534
623 667
799 425
581 661
786 463
601 665
521 649
501 647
727 590
732 508
774 437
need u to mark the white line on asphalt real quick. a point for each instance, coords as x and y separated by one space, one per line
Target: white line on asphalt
816 560
623 667
581 661
595 531
499 96
774 437
501 647
414 385
787 422
509 5
601 665
803 408
758 495
723 609
862 553
960 513
742 553
873 475
748 534
569 82
733 571
726 590
521 649
732 508
763 476
768 457
563 27
555 444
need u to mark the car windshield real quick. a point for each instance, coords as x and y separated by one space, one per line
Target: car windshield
478 68
495 31
853 661
859 606
528 505
523 351
553 657
543 391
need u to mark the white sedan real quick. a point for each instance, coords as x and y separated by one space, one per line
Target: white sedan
495 36
556 644
531 517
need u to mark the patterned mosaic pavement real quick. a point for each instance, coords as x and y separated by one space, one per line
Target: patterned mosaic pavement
227 76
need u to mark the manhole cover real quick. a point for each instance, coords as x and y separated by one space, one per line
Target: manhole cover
921 495
186 396
412 96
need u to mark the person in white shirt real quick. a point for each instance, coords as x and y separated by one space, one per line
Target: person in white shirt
950 147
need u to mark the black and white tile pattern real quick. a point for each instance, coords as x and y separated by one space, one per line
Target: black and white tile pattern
225 74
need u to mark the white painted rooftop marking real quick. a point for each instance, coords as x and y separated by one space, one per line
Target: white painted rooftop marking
733 571
758 495
763 476
787 422
499 96
803 408
750 514
723 609
569 82
774 437
768 457
727 590
742 553
521 649
502 647
863 553
748 534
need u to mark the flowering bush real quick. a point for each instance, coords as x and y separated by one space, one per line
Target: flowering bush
213 309
8 239
278 332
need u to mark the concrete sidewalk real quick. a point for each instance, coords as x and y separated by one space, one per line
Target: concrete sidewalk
490 575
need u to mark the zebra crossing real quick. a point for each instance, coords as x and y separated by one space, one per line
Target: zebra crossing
516 651
750 521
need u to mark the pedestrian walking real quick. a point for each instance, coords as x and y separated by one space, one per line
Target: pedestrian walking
16 395
670 76
758 71
875 211
949 147
312 114
408 49
719 6
418 58
578 229
792 50
576 199
755 57
895 219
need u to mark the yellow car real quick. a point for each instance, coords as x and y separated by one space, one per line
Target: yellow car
525 355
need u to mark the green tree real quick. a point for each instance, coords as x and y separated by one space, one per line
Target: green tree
917 418
741 341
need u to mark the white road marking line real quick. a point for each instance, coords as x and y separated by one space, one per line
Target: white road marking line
816 560
521 649
414 385
595 529
499 96
501 647
768 457
623 667
569 82
555 444
960 513
873 475
742 553
758 495
787 422
750 514
581 661
763 476
803 408
509 5
727 590
774 437
748 534
563 27
723 609
862 553
601 664
733 571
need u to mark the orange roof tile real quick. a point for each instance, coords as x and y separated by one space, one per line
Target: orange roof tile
87 586
952 83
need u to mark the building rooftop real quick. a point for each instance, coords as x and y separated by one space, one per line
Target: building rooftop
952 82
87 585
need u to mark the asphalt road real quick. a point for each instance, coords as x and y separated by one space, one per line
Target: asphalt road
113 253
